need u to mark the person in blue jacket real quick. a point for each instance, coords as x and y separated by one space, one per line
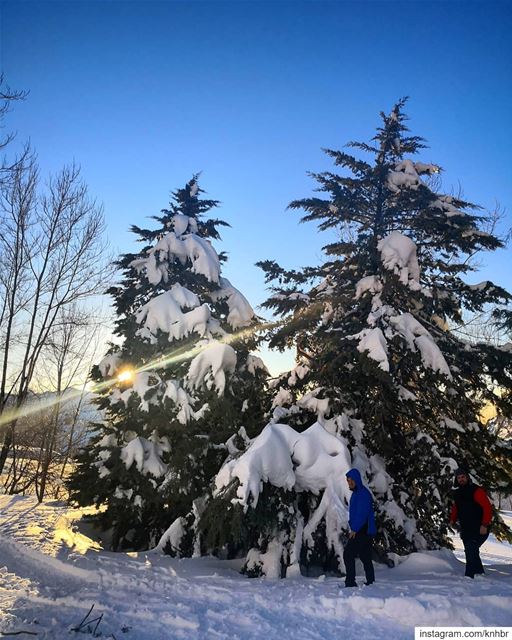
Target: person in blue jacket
362 529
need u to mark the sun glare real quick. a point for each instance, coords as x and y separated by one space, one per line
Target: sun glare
126 375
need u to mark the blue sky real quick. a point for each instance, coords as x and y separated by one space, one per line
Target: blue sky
144 94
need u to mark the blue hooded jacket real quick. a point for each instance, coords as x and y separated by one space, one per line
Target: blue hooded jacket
361 507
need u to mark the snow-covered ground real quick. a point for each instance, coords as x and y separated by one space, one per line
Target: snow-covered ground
51 574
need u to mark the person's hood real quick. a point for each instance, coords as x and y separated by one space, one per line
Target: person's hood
356 477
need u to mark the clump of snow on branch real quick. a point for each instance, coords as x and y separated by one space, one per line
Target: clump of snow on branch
211 365
406 175
313 461
181 224
283 457
185 248
452 424
294 295
164 313
398 254
418 338
145 454
373 284
282 397
310 401
254 364
173 536
298 373
445 203
183 400
241 313
184 297
109 365
142 383
373 343
268 563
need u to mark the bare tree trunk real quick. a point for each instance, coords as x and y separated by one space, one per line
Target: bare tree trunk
47 451
69 447
50 437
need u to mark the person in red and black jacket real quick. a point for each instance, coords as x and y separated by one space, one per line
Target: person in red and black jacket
471 507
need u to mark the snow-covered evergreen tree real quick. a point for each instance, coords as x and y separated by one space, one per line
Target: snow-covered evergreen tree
389 387
182 384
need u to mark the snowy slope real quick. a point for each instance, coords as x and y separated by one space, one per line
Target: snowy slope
50 575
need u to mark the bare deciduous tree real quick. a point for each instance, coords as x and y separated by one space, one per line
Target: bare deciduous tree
52 256
69 353
7 97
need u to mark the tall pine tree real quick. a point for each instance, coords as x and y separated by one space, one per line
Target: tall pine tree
180 386
378 364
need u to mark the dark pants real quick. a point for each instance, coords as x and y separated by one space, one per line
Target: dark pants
472 546
360 546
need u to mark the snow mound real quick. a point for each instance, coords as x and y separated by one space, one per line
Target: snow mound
47 587
439 562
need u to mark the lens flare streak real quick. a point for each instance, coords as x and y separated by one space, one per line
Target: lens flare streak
127 374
